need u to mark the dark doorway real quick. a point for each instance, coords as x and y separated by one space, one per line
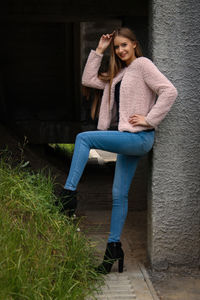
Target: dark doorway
43 50
38 70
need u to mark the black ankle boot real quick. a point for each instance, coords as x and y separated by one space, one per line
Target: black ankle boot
113 252
68 202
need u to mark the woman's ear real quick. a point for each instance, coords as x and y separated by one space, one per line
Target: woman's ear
134 44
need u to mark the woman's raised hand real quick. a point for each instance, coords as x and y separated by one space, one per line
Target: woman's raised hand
104 42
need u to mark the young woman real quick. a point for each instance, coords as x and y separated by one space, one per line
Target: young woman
136 98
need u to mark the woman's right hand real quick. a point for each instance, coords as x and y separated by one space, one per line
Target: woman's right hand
104 42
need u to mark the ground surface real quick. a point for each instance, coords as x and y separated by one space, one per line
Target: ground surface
95 205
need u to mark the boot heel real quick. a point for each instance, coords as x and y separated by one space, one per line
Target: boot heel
113 253
120 264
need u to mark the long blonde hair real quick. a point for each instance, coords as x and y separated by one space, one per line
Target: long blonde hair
94 96
115 63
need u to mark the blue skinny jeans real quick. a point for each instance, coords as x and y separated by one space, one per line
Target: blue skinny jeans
129 147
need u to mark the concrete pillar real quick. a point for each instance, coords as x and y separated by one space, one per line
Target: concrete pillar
174 193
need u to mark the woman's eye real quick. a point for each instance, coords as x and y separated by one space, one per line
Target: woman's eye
123 45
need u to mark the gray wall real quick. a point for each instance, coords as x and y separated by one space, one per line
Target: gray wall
174 193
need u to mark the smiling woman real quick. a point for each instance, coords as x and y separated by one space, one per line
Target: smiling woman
129 89
125 49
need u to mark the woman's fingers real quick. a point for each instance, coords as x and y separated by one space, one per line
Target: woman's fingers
104 42
107 36
135 120
138 120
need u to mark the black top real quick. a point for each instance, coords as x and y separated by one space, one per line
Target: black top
117 88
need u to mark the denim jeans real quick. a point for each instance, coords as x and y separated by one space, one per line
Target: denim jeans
129 148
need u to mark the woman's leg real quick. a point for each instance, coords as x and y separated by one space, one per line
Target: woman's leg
124 172
126 143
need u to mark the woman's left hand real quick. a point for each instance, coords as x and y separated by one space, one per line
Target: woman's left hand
136 120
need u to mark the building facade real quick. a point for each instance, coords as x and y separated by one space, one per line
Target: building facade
44 45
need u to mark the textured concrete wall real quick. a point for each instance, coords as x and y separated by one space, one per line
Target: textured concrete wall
174 194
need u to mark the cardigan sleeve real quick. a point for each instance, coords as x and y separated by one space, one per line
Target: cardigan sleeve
90 73
165 90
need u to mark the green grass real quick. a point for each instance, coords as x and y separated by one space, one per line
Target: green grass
42 253
66 149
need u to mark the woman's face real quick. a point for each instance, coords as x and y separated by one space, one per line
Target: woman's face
124 49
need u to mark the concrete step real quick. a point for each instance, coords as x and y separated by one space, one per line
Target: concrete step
115 297
129 285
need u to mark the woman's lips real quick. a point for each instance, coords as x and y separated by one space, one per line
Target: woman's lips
123 55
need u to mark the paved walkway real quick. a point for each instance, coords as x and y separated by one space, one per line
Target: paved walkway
134 282
128 285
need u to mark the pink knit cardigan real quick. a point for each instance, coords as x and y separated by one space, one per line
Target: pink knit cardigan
141 82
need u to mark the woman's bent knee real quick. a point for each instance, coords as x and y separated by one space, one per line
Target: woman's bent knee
80 136
83 138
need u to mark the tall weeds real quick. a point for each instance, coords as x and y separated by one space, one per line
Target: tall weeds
42 253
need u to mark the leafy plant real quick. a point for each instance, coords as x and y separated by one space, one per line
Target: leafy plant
42 253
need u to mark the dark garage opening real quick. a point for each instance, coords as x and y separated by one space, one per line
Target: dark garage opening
42 55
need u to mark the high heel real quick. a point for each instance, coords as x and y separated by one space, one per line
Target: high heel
113 253
67 202
121 264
